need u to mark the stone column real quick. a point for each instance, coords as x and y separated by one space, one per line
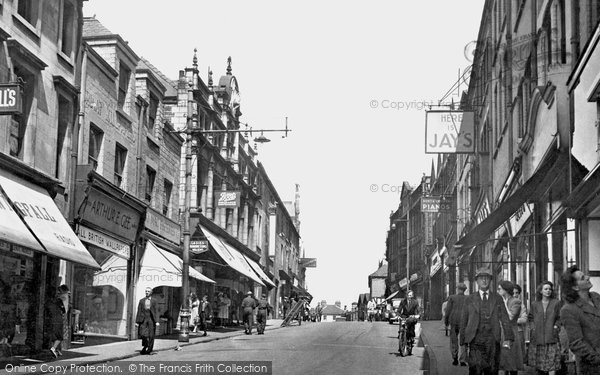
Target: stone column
234 226
209 192
245 225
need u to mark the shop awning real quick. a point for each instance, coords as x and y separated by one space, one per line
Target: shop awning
586 191
160 267
13 230
231 256
542 177
392 295
259 271
44 220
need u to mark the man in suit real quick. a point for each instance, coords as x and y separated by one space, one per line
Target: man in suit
147 319
483 319
408 307
452 317
261 316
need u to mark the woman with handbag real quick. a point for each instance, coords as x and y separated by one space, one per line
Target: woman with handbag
544 348
511 356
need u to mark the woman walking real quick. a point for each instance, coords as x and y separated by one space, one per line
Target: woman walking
56 310
544 350
194 318
511 357
581 319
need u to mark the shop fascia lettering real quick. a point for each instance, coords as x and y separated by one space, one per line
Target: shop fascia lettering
29 210
111 214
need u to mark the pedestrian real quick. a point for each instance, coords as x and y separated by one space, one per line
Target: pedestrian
452 316
203 313
483 318
581 319
286 306
248 305
11 322
544 347
319 310
444 307
56 309
194 302
409 307
511 358
521 321
147 319
261 315
371 309
224 303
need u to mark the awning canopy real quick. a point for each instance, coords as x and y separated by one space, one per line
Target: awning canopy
160 267
587 191
13 230
543 176
231 256
43 219
259 271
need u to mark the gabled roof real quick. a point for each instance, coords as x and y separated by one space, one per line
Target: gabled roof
364 298
332 310
381 272
93 27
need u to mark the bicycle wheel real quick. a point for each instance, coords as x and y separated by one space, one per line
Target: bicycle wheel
402 343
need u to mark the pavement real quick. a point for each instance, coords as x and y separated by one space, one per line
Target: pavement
126 349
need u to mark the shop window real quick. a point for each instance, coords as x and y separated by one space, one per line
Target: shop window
167 199
150 177
124 76
120 158
65 119
67 30
95 144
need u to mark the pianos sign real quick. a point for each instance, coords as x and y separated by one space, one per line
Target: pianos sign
449 132
10 99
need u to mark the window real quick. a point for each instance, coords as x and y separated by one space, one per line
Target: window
167 199
28 10
120 157
65 116
18 123
152 112
124 75
150 177
67 28
95 143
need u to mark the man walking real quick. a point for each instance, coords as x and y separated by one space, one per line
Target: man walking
261 315
483 318
371 309
147 321
248 305
452 317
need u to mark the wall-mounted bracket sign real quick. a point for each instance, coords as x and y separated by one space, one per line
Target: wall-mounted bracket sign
10 99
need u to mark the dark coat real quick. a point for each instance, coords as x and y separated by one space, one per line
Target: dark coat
248 303
454 309
154 316
55 311
582 323
543 331
408 308
498 317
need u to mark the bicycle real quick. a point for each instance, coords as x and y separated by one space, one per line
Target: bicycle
404 345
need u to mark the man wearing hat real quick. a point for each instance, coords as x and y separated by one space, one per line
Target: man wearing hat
248 305
261 315
452 316
483 319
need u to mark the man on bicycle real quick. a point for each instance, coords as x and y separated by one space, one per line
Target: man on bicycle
408 307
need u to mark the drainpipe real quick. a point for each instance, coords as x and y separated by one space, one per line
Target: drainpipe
77 135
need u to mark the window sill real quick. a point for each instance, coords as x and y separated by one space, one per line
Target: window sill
65 59
123 115
31 29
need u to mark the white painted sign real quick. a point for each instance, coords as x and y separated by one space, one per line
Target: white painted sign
104 242
449 132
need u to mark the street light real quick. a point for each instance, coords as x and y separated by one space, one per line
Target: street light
190 131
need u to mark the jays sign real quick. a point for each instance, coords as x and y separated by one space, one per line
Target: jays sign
10 99
449 132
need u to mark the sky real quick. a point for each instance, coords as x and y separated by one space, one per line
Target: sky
354 80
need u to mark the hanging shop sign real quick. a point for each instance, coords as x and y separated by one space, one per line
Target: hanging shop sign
428 229
198 246
228 198
436 204
10 99
449 132
436 264
163 226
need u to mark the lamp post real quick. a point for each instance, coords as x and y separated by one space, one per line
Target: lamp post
189 132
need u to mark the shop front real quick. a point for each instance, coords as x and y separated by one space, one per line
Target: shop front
436 279
108 223
35 242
